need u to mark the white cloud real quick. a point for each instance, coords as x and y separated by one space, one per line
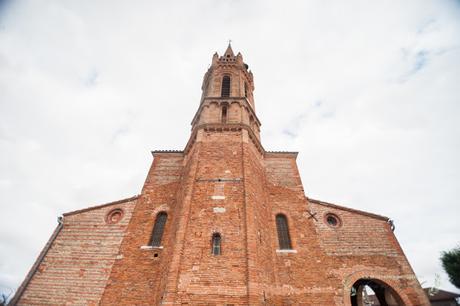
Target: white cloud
367 92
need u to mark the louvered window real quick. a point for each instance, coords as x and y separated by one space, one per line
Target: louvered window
158 229
225 86
283 232
216 244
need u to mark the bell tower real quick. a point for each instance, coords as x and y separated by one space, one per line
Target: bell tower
227 95
211 199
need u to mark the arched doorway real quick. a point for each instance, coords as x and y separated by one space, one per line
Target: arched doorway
367 292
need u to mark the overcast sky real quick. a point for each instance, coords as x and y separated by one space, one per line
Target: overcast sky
366 91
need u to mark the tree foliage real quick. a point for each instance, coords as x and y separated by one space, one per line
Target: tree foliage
3 299
451 264
5 294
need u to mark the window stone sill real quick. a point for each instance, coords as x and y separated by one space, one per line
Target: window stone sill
286 251
150 247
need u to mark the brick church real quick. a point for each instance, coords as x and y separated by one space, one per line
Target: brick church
222 222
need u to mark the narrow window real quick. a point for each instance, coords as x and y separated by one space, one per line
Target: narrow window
224 114
246 90
283 232
216 240
225 86
158 229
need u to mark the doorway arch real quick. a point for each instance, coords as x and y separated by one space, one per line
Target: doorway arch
369 291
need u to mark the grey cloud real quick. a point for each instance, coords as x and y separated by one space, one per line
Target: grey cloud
88 88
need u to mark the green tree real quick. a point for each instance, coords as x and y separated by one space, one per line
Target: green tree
3 298
5 294
451 264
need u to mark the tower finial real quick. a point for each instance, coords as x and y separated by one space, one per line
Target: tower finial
229 50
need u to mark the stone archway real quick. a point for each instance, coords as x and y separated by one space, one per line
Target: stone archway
366 292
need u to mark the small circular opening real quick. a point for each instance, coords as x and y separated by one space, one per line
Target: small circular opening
114 216
332 220
155 255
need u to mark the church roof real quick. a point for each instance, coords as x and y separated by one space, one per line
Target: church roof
365 213
440 295
100 206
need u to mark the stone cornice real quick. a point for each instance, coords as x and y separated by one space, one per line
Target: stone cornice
168 152
275 154
220 127
232 65
100 206
243 101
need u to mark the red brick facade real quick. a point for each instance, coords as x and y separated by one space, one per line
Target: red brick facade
222 182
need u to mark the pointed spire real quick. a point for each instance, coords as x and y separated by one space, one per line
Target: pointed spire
239 58
215 58
229 50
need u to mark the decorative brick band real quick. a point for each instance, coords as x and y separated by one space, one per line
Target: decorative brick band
221 127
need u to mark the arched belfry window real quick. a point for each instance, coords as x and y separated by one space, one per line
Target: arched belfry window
283 232
216 244
158 229
225 92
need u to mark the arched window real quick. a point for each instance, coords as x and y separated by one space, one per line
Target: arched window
225 86
216 244
158 229
283 232
224 114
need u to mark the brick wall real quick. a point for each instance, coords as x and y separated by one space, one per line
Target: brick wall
358 235
138 275
281 170
215 205
224 184
76 268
